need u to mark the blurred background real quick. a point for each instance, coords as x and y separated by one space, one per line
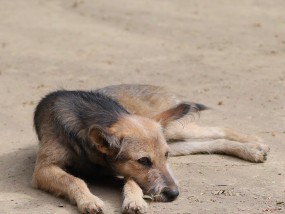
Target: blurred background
229 55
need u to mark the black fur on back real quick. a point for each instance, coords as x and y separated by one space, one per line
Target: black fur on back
74 112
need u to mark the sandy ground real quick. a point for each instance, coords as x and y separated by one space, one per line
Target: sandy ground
229 55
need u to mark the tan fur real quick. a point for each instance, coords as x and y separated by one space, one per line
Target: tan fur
135 126
185 130
143 100
149 142
228 141
133 198
253 152
49 176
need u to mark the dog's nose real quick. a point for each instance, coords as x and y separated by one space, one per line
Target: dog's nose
170 193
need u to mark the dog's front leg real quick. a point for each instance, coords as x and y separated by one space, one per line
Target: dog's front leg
133 198
53 179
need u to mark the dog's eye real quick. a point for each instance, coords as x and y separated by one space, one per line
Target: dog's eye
145 161
166 154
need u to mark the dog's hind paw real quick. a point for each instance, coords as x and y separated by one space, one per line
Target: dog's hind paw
94 205
134 207
256 152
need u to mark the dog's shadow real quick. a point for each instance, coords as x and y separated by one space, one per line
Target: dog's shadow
17 192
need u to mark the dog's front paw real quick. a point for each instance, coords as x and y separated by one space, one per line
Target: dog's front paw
131 206
91 205
256 152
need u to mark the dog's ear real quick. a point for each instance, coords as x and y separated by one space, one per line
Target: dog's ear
172 114
104 142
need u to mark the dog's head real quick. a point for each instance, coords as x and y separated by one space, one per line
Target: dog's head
136 148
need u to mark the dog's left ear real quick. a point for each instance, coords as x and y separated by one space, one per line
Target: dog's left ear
172 114
104 141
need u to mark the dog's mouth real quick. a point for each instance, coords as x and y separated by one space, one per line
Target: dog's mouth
165 195
157 198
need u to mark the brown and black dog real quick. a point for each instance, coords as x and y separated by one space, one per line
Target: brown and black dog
126 130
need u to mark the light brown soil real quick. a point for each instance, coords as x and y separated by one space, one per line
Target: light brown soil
229 55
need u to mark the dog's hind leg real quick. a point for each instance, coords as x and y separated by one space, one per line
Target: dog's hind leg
133 198
181 130
253 152
50 176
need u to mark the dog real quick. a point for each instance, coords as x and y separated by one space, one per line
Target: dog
129 131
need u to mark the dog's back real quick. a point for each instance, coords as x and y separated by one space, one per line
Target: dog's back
74 111
145 100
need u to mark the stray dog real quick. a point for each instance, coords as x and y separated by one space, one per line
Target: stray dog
126 130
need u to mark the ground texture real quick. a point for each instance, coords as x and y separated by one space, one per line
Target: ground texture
229 55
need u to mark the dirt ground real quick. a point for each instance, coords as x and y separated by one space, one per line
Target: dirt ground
229 55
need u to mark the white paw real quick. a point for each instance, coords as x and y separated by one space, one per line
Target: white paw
256 152
131 206
91 205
